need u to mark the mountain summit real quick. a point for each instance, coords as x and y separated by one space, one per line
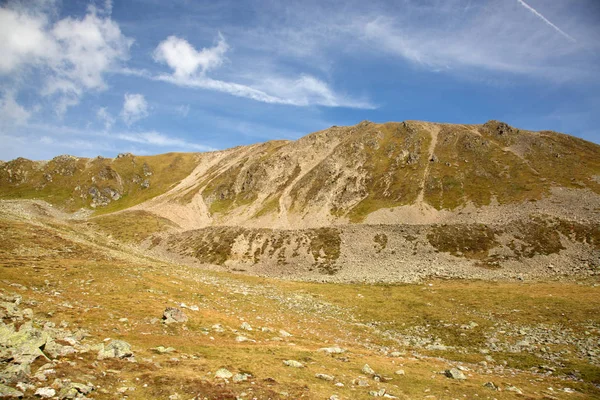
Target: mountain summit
322 197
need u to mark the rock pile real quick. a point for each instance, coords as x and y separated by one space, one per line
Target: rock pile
24 340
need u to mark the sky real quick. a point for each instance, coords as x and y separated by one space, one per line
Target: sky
104 77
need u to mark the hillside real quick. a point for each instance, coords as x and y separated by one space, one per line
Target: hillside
374 202
412 260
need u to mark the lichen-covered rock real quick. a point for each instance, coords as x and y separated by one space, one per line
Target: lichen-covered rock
223 373
115 349
173 315
8 392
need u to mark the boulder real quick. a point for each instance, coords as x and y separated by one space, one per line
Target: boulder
8 392
173 315
293 364
115 349
223 373
455 373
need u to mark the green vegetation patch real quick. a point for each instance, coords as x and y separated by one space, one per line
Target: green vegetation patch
473 241
325 248
381 241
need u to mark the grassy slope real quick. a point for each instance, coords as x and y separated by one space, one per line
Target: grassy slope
131 226
375 166
103 284
65 181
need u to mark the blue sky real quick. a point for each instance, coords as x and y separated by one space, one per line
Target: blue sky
153 76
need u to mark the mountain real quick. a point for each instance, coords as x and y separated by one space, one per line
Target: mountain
393 201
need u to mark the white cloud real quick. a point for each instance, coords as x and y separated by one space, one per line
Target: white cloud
159 139
493 37
135 108
185 60
23 39
11 112
105 117
44 141
72 54
190 66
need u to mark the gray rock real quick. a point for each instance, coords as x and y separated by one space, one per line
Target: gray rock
324 377
45 392
246 326
455 373
332 350
362 382
514 389
400 372
163 350
115 349
75 390
223 373
367 370
173 315
293 364
7 391
283 333
490 385
241 377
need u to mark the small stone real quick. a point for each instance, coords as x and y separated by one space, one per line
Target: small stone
367 370
400 372
324 377
396 354
293 364
455 373
490 385
246 326
163 350
173 315
241 377
45 392
115 349
362 382
332 350
283 333
514 389
223 373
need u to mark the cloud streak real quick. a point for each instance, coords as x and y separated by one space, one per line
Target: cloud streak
190 68
540 16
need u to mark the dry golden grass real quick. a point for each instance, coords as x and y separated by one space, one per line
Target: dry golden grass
104 283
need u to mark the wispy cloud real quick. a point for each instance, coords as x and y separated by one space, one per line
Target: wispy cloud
44 141
158 139
190 68
540 16
107 119
135 108
12 112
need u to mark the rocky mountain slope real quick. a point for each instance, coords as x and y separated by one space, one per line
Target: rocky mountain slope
392 202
